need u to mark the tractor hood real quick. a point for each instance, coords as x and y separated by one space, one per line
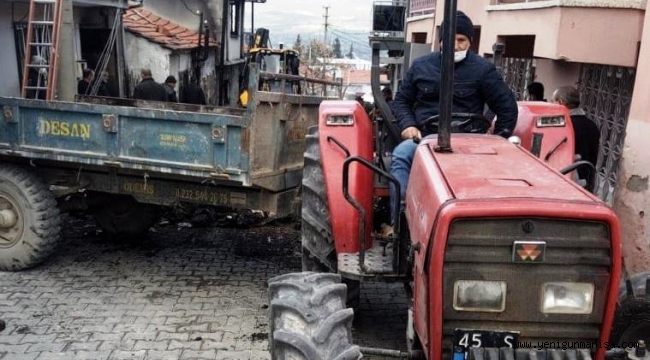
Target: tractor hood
490 167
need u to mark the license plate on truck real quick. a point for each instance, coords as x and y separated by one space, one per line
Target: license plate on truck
479 338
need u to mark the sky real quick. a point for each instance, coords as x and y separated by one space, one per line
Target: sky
306 16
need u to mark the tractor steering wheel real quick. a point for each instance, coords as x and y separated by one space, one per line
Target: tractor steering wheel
460 123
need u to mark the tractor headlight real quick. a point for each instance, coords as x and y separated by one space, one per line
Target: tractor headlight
567 298
475 295
340 120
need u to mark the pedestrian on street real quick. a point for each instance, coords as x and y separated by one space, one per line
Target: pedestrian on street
84 85
148 89
586 132
170 87
477 83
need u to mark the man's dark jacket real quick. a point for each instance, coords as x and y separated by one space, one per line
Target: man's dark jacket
476 83
192 94
150 90
587 137
171 94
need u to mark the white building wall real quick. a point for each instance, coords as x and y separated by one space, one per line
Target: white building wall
141 53
10 84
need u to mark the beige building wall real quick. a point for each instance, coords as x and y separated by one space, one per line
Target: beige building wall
420 24
554 74
632 202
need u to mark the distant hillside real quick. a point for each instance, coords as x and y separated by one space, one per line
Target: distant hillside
359 41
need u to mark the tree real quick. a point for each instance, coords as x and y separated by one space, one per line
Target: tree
299 47
350 54
319 49
336 49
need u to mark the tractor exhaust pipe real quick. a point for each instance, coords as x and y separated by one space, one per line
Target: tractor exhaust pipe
447 78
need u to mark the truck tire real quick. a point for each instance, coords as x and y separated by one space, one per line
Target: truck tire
120 215
31 223
318 252
308 319
632 319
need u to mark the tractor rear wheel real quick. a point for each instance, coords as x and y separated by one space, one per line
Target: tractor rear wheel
318 252
308 319
29 219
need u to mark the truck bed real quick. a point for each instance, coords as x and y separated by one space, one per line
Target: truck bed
160 141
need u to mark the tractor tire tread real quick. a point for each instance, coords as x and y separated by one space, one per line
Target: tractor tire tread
308 316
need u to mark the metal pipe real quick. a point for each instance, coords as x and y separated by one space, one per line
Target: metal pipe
384 352
387 114
362 214
447 78
222 55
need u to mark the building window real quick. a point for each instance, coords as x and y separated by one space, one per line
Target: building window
235 17
419 38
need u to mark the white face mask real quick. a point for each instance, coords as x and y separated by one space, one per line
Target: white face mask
460 56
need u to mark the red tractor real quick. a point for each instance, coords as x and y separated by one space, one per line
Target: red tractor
502 253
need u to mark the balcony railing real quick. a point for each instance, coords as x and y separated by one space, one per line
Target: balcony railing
421 7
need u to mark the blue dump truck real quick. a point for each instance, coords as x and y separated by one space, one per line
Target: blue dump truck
123 160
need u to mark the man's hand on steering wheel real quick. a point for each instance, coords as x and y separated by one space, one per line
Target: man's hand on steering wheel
465 120
411 132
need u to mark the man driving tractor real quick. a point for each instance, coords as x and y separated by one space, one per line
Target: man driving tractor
477 83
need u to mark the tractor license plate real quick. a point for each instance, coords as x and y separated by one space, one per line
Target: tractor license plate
478 338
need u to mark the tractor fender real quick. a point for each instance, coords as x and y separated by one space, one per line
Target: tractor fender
347 131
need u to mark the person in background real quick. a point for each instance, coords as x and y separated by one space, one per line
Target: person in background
84 85
170 87
104 89
587 134
148 89
535 91
191 93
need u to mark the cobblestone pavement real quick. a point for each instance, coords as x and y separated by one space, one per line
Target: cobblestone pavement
182 293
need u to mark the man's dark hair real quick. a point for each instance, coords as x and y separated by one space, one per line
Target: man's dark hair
87 73
536 91
170 80
568 96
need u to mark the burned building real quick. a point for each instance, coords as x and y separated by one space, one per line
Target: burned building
120 37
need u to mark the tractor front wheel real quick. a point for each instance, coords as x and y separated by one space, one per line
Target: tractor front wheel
308 318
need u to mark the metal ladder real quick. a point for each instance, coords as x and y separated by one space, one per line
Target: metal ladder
40 63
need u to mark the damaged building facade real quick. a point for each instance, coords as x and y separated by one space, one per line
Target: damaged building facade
182 39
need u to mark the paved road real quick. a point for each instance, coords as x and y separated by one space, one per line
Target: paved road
182 293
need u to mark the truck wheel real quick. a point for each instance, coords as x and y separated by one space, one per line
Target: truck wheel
632 320
318 252
120 215
308 319
29 219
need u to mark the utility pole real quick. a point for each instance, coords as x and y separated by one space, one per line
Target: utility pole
327 24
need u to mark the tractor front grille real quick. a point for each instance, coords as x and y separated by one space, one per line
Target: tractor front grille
482 249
